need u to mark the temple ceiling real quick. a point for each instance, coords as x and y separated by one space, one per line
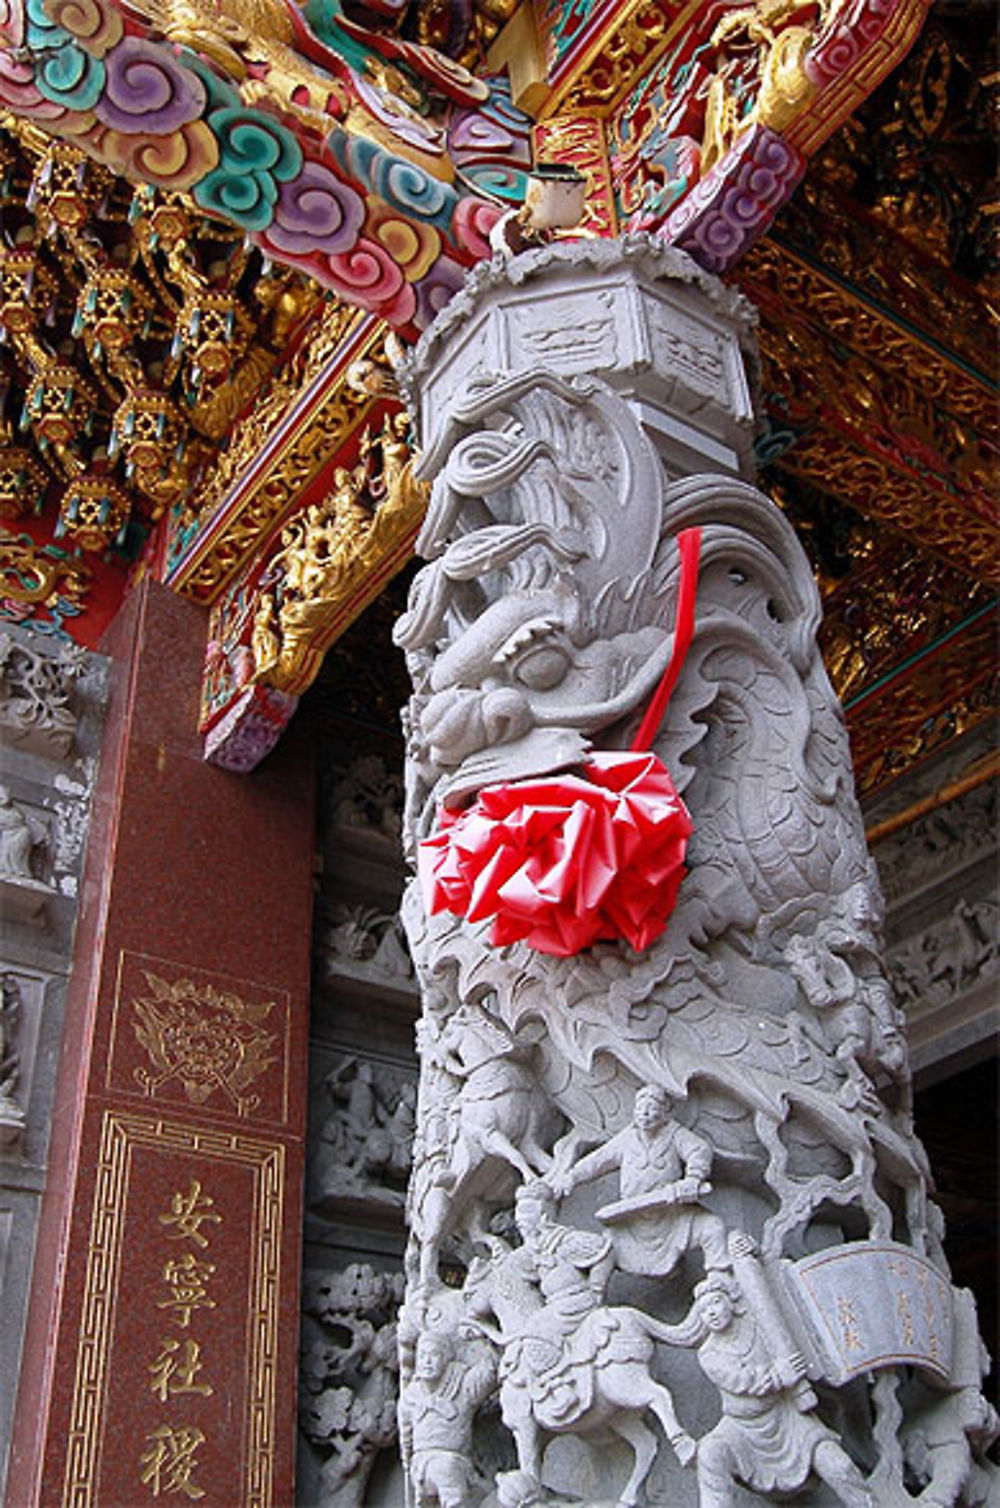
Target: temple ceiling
181 396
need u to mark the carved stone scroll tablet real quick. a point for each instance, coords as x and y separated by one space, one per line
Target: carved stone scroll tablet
873 1305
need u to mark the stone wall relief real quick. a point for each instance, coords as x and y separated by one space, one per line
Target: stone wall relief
366 797
362 1113
955 836
35 710
51 706
24 841
11 1113
364 941
938 876
348 1378
362 1153
51 693
956 953
25 995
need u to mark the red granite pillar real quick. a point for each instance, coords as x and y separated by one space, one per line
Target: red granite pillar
161 1351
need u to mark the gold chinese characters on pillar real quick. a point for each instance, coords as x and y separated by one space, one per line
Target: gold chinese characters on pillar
170 1461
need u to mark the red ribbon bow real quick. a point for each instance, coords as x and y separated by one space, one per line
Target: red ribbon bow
567 860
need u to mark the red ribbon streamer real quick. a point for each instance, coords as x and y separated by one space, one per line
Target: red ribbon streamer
689 546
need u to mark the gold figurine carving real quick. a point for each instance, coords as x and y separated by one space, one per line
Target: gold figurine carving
326 553
769 88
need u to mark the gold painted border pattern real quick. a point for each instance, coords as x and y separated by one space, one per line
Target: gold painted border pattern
779 280
627 51
120 1135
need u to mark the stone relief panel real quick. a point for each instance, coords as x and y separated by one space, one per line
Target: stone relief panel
360 1155
36 712
958 953
51 708
362 1112
11 1113
365 795
939 874
348 1380
655 1191
362 940
24 857
950 840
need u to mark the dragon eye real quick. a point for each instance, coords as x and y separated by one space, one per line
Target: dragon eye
541 668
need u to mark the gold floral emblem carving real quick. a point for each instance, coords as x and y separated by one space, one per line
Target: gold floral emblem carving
207 1039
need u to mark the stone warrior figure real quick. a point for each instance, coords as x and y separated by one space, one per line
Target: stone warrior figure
580 408
764 1439
570 1363
435 1421
663 1174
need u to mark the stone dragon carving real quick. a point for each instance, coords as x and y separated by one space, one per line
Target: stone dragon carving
714 1126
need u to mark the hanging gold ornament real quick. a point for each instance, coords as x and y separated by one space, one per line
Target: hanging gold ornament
58 405
112 309
146 429
93 513
25 288
64 186
22 481
212 331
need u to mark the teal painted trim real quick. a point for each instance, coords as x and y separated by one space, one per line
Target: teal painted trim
886 311
921 654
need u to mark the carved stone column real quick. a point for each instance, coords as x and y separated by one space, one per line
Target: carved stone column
670 1228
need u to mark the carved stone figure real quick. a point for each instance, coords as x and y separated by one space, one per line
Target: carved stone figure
18 837
579 407
21 834
494 1102
482 1127
761 59
664 1172
764 1439
570 1362
435 1421
945 1450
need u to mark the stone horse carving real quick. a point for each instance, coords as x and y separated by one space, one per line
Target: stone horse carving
570 1363
488 1125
